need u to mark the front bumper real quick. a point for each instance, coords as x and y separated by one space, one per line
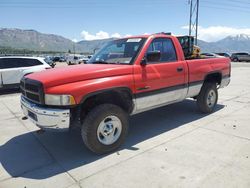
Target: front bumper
46 118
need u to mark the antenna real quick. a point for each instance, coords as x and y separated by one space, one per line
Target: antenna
194 18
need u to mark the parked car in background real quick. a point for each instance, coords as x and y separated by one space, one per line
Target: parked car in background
83 59
238 57
71 60
56 59
12 69
77 59
59 59
209 55
223 54
89 56
62 59
49 60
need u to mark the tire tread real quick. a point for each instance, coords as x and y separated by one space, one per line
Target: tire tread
201 98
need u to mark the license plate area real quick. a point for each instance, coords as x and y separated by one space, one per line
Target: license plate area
32 115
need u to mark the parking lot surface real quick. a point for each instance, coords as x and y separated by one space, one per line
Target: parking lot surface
173 146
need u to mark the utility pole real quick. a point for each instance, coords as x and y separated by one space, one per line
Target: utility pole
74 48
194 18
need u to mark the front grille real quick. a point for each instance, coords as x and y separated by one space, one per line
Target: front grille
31 87
33 97
32 90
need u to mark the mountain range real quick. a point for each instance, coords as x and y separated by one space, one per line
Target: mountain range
34 40
237 43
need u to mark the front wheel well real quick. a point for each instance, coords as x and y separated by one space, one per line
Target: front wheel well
121 97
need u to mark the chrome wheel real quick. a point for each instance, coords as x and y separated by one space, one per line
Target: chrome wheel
211 98
109 130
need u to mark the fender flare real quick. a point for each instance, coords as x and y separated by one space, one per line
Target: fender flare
210 73
117 89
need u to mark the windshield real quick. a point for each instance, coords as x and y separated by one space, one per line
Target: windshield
122 51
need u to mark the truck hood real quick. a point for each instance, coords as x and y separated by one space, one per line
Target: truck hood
75 73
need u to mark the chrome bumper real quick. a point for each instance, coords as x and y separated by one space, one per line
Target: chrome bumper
46 118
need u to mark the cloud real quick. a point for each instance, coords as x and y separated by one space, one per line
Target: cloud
74 40
215 33
128 35
116 35
99 35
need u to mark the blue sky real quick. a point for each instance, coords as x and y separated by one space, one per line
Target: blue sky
91 19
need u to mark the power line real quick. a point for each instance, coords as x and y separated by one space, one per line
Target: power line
226 4
237 1
225 9
70 4
230 5
51 4
85 2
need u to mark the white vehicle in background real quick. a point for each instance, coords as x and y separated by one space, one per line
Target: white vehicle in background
13 68
83 59
77 59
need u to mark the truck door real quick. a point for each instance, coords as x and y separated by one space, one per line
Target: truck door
162 82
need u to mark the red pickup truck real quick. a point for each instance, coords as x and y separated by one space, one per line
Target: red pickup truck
127 76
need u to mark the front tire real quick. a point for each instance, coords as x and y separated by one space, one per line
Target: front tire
207 98
104 128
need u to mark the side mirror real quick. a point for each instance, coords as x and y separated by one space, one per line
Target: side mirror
153 56
143 62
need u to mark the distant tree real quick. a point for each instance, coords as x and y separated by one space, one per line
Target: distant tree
69 51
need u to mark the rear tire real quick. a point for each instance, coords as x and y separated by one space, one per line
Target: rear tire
235 60
104 128
207 98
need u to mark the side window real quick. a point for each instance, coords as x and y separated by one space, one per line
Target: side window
29 62
7 63
23 62
34 62
166 47
19 62
1 64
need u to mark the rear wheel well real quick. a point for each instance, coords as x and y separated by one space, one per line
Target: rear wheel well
214 78
122 98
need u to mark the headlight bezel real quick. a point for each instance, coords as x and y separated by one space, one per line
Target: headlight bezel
59 100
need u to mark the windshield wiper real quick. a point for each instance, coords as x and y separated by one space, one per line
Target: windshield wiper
101 62
106 62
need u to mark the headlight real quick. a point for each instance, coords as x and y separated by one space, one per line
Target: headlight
59 100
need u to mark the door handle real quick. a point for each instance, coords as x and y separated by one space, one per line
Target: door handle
179 69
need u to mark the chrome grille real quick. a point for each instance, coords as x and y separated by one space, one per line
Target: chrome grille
32 90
